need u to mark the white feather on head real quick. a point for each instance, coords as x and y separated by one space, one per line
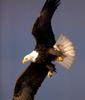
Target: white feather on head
30 57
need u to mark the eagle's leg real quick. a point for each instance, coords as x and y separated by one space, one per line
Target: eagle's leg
51 68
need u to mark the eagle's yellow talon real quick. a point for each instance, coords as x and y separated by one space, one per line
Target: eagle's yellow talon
50 74
60 59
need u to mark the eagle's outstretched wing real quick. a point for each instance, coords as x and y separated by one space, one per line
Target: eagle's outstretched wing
29 82
42 30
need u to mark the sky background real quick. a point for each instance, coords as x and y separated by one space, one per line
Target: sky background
16 20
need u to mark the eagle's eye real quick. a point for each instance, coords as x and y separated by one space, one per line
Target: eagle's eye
26 59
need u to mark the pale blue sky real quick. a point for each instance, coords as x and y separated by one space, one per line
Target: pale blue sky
16 20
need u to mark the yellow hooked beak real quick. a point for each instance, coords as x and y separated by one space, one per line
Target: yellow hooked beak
23 61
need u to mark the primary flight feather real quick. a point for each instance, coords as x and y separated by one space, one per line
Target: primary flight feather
46 51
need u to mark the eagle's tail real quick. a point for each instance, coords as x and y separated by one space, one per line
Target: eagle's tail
64 45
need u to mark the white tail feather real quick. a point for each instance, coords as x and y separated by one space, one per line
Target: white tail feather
67 49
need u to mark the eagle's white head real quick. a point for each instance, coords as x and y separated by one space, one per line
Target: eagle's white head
30 57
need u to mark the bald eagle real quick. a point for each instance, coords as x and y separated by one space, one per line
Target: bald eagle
47 49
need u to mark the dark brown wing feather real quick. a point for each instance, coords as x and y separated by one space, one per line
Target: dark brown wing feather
29 82
42 30
49 8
